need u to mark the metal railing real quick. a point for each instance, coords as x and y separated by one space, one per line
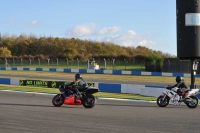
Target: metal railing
109 64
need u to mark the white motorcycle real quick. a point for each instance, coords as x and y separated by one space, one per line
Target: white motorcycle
171 95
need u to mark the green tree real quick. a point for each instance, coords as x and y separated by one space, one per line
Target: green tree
154 57
4 52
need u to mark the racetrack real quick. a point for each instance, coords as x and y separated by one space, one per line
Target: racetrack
34 113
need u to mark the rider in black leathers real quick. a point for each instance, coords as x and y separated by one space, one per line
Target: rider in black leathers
180 84
78 84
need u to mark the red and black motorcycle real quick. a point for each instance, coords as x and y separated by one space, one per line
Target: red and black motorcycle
69 97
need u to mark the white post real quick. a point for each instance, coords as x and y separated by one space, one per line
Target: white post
13 62
125 63
78 62
57 61
88 62
113 63
21 62
48 61
30 61
104 63
67 62
6 62
39 61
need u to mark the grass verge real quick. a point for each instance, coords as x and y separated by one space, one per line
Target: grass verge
55 91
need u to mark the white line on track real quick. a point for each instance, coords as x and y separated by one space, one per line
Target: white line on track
131 100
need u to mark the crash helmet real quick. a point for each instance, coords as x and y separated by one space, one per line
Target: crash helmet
179 79
78 75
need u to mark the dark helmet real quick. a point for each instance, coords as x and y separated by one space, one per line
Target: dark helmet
179 79
78 75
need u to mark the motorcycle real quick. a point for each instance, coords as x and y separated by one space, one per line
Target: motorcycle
68 97
171 95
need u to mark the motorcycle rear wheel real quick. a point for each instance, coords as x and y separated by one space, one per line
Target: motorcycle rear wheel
58 100
89 101
161 102
193 103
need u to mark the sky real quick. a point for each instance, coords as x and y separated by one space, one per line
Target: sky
130 23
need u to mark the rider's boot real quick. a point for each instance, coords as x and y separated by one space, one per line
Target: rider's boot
176 99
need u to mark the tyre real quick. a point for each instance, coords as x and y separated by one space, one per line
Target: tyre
89 101
192 102
162 102
58 100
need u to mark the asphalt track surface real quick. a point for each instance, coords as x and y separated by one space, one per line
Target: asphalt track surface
34 113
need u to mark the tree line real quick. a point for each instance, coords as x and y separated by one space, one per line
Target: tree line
24 46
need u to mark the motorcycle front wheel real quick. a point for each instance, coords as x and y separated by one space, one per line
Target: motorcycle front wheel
89 101
58 100
191 102
162 102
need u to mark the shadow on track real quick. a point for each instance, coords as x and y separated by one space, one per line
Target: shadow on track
37 105
144 106
123 105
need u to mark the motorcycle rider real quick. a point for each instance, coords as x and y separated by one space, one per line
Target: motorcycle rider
181 85
78 84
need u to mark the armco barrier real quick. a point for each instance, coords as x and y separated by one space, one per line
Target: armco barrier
98 71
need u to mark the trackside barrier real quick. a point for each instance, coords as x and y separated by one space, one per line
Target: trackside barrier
119 72
144 90
154 91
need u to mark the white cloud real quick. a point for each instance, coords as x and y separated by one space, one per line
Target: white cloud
130 38
82 30
90 29
109 30
143 43
28 25
148 44
33 24
109 34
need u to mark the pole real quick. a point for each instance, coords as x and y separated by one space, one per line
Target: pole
88 63
192 74
104 63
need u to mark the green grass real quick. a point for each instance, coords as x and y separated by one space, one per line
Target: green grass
56 91
112 77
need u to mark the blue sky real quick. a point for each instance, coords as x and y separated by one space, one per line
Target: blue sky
149 23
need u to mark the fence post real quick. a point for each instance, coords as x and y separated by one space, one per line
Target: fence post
21 62
77 62
104 63
113 63
169 66
30 61
39 61
48 61
13 62
125 63
88 63
67 62
57 62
